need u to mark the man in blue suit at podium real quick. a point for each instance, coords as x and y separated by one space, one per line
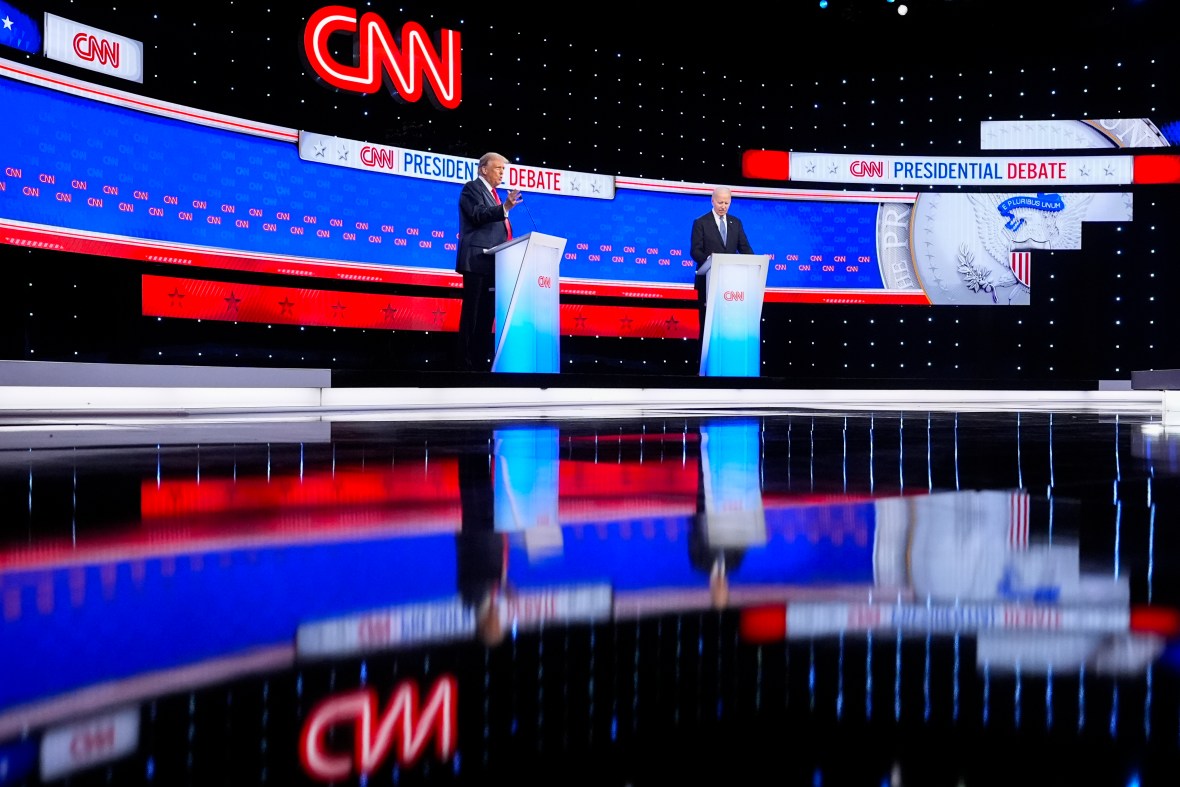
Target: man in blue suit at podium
716 232
483 224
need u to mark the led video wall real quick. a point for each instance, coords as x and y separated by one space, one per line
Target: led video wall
95 170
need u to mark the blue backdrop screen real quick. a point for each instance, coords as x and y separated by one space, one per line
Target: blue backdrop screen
86 166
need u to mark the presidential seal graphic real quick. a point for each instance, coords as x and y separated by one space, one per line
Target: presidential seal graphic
979 249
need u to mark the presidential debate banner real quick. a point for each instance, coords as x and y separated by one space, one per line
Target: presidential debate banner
1042 172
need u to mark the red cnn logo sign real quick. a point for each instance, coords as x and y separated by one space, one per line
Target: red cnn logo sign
381 158
734 295
89 47
374 734
403 70
867 169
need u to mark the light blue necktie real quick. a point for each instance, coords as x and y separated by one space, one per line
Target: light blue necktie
724 239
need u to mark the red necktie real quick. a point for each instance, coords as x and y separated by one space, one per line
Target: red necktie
507 224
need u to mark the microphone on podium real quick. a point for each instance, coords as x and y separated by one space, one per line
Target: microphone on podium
520 201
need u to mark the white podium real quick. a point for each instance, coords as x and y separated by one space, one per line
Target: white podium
527 319
732 334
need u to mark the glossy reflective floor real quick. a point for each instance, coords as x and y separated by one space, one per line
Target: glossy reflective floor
806 598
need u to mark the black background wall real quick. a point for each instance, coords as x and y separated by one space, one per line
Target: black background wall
675 95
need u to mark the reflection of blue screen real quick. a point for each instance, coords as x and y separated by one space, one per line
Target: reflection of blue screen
252 598
799 550
82 165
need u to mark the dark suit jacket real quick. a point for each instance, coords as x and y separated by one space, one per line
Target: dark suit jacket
706 238
481 226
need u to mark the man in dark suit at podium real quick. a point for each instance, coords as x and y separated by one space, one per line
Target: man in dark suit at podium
483 223
716 232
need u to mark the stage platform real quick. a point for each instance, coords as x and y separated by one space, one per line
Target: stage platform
272 540
38 390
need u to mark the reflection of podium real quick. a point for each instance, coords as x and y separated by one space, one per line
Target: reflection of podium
527 328
732 333
526 477
731 475
526 487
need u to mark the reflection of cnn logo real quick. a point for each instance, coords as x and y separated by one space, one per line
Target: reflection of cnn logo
92 743
379 58
374 734
734 295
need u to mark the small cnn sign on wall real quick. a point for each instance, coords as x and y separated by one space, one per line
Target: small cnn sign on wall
97 50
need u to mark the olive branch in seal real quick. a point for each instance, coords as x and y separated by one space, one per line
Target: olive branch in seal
975 277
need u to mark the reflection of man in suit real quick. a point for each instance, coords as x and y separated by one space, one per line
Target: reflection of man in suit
483 223
481 552
716 232
716 561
